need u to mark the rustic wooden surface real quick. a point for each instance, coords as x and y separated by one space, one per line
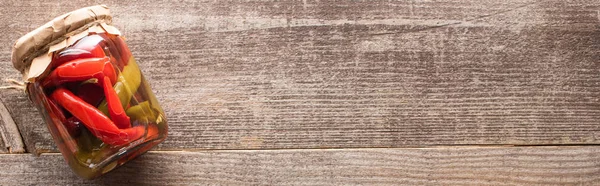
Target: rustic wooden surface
328 74
431 166
340 75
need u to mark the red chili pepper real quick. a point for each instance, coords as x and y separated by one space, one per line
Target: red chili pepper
99 124
57 113
103 71
81 70
122 47
115 110
87 47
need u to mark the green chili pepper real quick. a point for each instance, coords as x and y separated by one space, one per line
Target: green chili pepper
158 116
128 82
142 111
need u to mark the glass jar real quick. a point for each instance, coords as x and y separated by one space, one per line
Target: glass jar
88 86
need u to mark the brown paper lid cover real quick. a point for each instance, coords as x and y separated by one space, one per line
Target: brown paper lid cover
54 35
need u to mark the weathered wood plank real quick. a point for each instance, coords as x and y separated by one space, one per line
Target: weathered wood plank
441 166
308 74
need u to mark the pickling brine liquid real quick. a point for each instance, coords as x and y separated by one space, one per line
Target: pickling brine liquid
98 105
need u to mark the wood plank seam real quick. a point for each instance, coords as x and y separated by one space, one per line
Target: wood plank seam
9 132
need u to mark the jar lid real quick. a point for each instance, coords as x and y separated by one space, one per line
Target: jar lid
38 45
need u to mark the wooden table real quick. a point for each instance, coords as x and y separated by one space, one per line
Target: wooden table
479 92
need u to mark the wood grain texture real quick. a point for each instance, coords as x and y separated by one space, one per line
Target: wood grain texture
441 166
331 74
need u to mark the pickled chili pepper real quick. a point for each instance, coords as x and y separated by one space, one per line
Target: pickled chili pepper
123 55
99 124
71 54
81 70
93 68
117 114
142 111
123 48
128 82
88 47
